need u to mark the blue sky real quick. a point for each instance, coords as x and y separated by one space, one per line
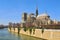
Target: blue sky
11 10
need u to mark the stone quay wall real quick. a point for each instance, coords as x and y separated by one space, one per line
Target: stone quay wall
49 34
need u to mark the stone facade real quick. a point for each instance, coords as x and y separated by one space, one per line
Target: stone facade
43 18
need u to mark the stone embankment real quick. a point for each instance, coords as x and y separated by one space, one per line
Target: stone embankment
49 34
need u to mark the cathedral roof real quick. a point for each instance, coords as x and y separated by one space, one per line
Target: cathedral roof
44 14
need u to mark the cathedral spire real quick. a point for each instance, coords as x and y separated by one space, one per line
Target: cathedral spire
36 11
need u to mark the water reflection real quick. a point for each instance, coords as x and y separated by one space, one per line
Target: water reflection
28 38
6 35
25 37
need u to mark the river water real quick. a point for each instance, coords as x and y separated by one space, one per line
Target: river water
6 35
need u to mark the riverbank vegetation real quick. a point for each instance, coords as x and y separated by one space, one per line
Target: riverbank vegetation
32 26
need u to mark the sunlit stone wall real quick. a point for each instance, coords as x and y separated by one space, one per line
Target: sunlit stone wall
49 34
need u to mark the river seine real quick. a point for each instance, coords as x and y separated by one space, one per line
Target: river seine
6 35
